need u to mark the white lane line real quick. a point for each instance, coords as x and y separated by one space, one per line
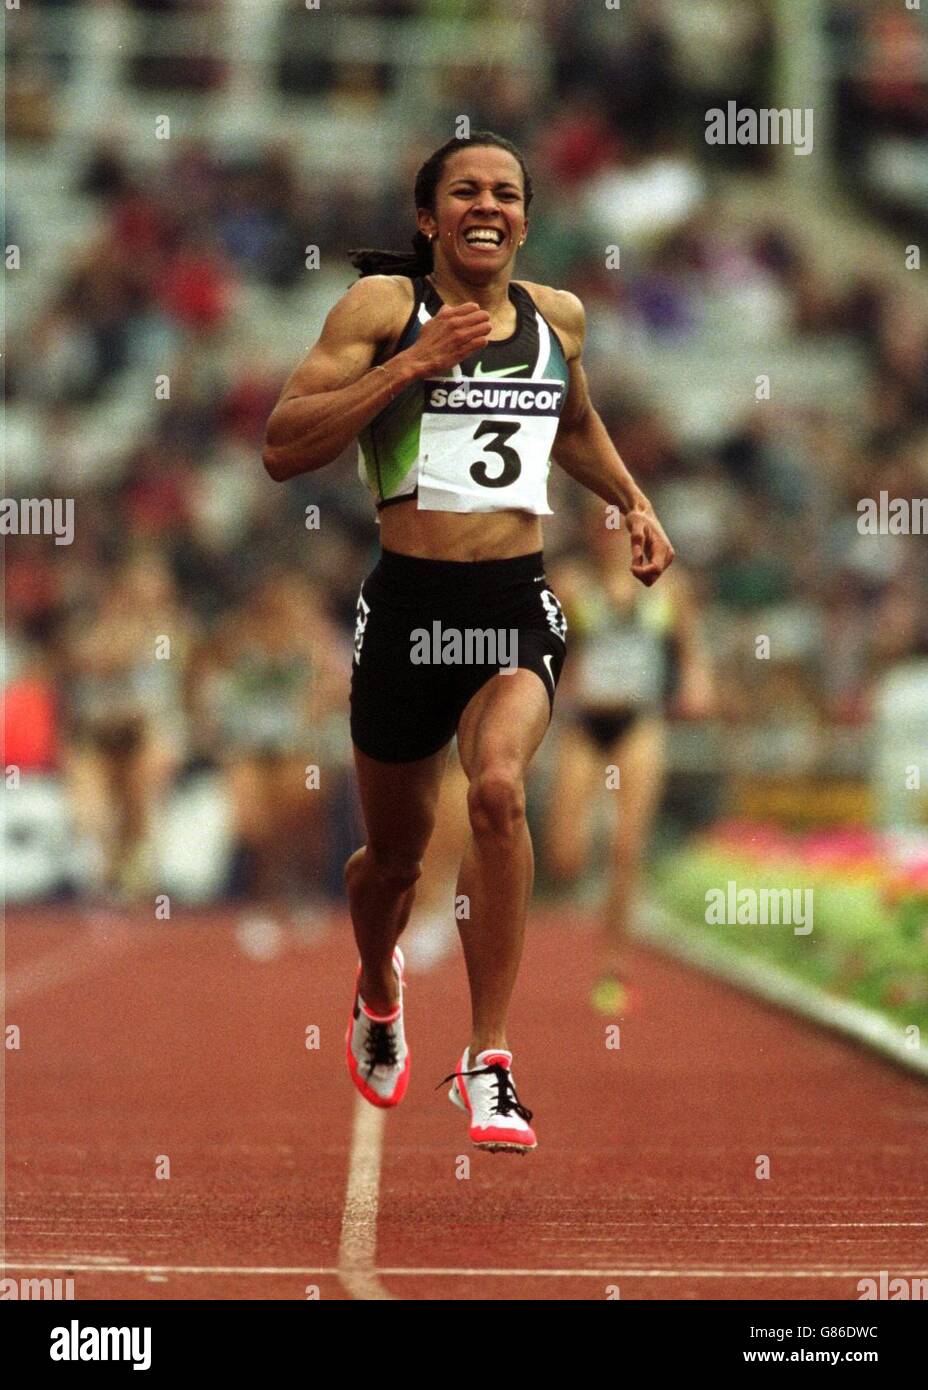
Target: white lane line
464 1273
564 1227
726 1225
64 1261
358 1243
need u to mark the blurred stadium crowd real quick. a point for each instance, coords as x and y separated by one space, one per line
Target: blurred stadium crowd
181 540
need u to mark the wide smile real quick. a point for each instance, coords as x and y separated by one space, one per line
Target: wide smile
484 239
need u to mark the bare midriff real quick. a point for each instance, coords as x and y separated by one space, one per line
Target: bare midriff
458 535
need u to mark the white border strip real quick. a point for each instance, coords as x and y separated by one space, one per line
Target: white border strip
663 929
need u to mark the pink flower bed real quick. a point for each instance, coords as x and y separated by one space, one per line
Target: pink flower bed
855 854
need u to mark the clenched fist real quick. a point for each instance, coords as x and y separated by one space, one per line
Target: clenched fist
453 334
651 549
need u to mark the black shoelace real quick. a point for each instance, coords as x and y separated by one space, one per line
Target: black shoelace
506 1099
380 1046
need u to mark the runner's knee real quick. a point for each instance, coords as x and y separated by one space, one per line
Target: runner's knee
496 801
398 868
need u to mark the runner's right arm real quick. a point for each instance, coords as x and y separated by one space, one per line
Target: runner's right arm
334 392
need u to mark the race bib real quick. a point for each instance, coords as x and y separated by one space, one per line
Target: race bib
485 445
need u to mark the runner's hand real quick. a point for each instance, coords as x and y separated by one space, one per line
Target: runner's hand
651 549
453 334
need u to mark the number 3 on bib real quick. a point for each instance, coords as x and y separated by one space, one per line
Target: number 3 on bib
512 464
523 413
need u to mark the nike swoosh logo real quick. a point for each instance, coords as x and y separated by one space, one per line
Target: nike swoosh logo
547 660
501 371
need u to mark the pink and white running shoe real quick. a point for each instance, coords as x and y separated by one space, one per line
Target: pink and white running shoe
498 1122
375 1044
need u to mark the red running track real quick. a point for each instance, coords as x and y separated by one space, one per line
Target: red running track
186 1041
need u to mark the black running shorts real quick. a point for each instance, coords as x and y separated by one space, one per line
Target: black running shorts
430 633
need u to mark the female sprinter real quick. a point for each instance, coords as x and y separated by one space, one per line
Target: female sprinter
636 651
459 383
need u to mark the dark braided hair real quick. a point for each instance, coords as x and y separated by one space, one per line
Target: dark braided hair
420 260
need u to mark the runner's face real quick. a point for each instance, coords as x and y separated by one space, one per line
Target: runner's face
481 187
